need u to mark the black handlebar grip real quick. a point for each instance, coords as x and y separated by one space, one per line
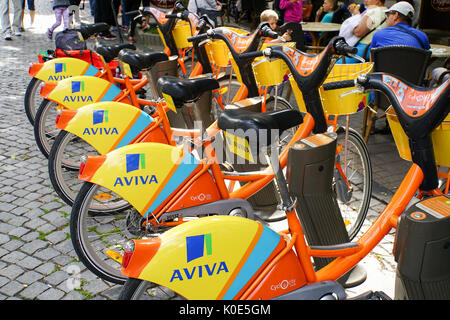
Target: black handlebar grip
201 24
339 84
199 37
179 6
169 16
343 48
266 31
132 13
251 55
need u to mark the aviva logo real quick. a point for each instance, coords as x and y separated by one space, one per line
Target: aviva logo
60 67
77 86
196 245
100 116
135 161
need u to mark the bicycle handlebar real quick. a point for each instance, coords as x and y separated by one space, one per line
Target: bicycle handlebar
132 13
339 84
199 37
252 55
266 31
343 48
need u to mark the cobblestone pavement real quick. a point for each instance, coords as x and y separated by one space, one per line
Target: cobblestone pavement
37 260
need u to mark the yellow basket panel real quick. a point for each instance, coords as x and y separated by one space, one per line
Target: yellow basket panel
440 137
218 52
270 73
332 101
181 32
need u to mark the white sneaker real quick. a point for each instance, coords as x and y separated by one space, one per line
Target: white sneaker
17 33
8 35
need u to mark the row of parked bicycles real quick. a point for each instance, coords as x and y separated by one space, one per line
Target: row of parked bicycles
174 163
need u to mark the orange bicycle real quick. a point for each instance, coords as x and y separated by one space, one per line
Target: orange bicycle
153 64
194 260
79 135
179 185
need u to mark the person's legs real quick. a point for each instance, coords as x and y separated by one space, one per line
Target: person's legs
92 7
58 17
103 13
17 4
65 15
4 16
31 10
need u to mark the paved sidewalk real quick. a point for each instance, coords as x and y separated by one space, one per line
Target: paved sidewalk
37 260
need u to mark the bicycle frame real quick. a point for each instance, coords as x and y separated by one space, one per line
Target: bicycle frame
256 285
179 203
150 258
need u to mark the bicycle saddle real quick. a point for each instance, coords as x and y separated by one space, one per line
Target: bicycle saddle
242 122
185 90
141 60
88 30
112 51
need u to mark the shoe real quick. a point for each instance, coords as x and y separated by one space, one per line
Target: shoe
109 36
17 33
49 34
8 35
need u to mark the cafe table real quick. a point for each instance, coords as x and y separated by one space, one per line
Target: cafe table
439 50
318 30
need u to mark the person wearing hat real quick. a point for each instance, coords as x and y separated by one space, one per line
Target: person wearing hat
398 29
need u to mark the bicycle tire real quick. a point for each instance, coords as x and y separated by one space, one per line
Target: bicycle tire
44 126
87 238
64 163
135 289
361 179
225 82
31 98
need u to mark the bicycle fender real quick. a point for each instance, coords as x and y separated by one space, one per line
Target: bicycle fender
215 257
78 91
61 68
105 125
145 174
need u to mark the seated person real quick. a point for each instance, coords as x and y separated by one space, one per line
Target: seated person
212 8
358 30
398 29
329 6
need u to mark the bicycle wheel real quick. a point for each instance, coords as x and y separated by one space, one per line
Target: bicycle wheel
98 237
136 289
353 198
32 98
63 166
45 131
232 85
